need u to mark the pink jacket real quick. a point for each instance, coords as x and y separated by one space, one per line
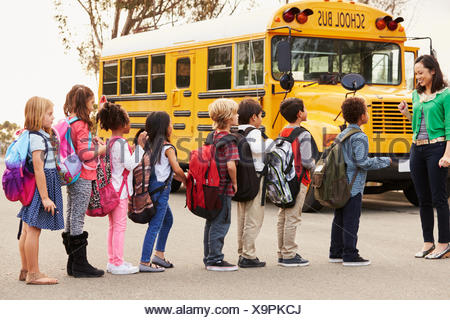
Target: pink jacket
80 138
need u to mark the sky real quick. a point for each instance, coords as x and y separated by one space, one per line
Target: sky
34 61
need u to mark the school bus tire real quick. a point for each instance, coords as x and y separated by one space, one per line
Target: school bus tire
175 186
311 204
410 193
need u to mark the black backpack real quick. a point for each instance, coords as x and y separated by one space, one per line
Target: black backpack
248 181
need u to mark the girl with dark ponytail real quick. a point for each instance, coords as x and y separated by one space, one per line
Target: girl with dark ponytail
164 164
113 117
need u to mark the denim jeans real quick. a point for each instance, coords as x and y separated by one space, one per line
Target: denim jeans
344 230
161 222
215 232
430 183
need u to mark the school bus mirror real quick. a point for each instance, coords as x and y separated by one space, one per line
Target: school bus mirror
284 56
287 81
353 81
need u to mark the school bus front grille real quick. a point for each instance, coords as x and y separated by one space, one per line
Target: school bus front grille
387 119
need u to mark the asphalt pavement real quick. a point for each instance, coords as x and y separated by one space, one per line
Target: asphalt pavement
389 236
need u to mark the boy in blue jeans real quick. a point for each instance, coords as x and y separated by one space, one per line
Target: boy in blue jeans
345 225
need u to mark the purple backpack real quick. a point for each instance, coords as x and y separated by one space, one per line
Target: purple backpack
18 180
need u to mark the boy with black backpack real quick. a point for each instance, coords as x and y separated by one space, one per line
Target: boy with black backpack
303 147
355 148
252 147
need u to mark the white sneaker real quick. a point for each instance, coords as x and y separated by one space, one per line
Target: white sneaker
108 266
123 269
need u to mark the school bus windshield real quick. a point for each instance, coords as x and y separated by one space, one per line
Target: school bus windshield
315 58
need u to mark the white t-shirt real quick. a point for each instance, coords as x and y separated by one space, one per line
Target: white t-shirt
122 159
258 146
162 168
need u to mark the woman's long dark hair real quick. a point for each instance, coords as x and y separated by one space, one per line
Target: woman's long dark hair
431 64
157 127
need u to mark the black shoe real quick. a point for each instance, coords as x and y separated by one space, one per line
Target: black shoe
335 259
356 262
296 261
250 263
65 237
222 265
80 266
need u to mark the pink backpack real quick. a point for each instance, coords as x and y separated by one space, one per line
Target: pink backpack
68 163
104 198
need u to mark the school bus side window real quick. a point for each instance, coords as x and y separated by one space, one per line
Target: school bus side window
183 73
219 68
126 74
141 77
158 73
110 78
250 63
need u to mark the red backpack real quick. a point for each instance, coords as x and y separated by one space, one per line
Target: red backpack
203 180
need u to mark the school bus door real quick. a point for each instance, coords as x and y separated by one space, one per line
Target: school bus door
410 57
182 97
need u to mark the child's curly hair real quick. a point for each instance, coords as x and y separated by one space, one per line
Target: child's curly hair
112 117
353 108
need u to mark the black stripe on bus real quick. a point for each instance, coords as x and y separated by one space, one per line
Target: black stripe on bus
187 93
204 127
161 96
179 126
182 113
203 114
138 114
232 94
137 126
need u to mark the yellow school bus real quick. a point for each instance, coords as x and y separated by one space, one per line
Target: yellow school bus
181 70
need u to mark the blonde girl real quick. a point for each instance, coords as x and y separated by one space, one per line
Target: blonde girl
46 209
80 103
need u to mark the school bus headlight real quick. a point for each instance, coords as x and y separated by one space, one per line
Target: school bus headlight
392 25
289 14
381 22
302 17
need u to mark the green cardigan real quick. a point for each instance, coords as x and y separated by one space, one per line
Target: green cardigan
437 115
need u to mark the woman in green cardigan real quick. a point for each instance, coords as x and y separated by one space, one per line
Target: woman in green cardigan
430 153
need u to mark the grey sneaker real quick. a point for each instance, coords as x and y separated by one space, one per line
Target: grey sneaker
162 262
150 268
296 261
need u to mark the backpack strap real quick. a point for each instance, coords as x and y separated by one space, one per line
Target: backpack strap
341 140
295 133
45 142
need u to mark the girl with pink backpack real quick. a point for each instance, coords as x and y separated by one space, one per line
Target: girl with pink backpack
78 106
46 208
113 117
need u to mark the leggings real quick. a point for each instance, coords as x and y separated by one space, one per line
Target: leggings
78 196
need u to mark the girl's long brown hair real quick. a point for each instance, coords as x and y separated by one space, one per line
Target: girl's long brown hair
76 102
